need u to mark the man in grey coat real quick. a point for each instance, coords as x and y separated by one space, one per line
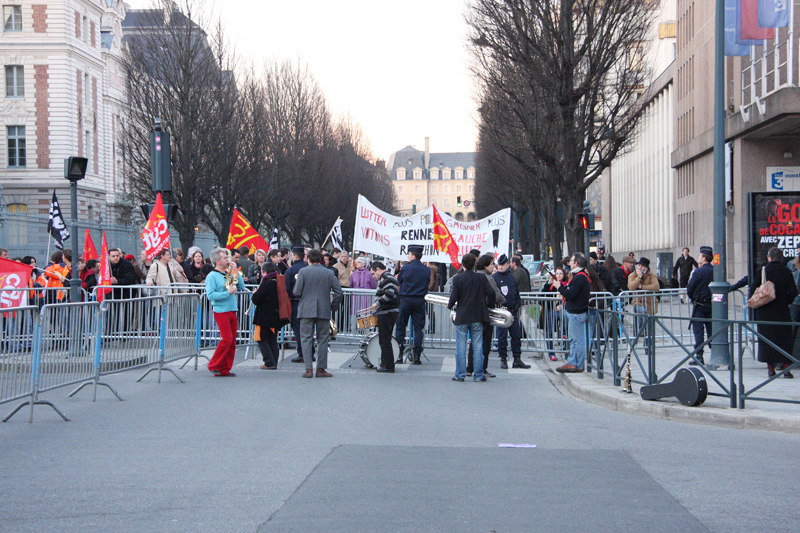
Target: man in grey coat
313 288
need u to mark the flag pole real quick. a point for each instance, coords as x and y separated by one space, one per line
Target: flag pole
329 233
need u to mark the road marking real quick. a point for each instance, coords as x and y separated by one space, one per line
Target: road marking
449 365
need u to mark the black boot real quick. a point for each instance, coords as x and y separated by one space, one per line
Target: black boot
519 364
416 360
503 363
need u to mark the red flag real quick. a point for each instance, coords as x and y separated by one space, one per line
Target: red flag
104 273
750 27
243 234
156 231
13 276
89 251
443 240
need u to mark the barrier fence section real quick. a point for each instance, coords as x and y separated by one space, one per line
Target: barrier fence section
17 337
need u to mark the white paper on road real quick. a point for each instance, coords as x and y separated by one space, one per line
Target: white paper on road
378 232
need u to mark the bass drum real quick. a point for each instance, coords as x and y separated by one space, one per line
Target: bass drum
370 350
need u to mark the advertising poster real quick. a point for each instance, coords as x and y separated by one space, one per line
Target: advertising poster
774 221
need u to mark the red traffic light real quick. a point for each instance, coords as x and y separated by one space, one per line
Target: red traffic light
583 220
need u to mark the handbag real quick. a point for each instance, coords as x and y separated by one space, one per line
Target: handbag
284 305
764 294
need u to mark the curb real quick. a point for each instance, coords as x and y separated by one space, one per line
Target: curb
586 388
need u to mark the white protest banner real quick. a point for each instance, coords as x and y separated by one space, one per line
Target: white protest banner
380 233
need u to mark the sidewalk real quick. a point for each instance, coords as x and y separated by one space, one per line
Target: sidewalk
716 411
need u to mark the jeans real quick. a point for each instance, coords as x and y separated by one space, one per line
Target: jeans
487 347
475 330
577 338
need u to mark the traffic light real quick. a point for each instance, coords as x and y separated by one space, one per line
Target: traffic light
590 221
458 201
583 220
160 159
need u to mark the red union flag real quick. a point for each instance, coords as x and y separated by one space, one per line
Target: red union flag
104 272
443 240
243 234
13 276
156 231
89 251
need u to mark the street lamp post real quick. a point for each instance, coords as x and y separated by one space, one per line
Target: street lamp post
720 355
74 171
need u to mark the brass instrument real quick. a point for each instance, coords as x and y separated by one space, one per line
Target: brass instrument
231 277
502 318
334 329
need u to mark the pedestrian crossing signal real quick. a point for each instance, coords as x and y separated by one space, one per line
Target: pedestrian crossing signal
583 220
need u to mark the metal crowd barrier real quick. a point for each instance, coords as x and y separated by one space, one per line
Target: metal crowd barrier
17 337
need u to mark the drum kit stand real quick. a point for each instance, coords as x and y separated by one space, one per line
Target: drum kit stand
369 349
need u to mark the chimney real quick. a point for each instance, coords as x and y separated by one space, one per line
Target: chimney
427 153
381 164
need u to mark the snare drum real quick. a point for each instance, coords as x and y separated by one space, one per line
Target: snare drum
367 322
370 350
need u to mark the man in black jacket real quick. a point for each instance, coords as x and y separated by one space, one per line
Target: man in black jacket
619 277
683 268
700 294
602 273
473 295
576 294
508 287
122 274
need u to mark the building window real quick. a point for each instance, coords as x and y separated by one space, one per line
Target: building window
85 29
17 233
446 174
401 203
433 189
434 173
447 202
400 189
417 189
15 81
460 216
446 188
471 217
470 173
401 173
12 17
471 188
86 95
418 174
459 173
16 146
458 188
417 201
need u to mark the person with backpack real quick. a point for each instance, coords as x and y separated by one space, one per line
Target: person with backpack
267 317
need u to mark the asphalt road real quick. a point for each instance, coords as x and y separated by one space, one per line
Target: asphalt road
267 451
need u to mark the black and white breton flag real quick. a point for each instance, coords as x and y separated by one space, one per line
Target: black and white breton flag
56 225
275 242
336 235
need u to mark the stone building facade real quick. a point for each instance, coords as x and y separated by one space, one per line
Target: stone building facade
64 96
421 179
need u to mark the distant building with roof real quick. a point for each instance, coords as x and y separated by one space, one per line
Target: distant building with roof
421 179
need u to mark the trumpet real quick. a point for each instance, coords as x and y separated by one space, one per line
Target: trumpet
501 318
231 277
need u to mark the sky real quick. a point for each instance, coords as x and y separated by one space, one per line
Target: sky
399 68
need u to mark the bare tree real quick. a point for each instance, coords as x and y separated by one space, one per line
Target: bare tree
175 74
567 73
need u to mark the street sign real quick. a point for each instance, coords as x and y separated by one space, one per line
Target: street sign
466 203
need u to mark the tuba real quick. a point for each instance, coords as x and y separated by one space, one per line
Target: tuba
231 277
334 329
502 318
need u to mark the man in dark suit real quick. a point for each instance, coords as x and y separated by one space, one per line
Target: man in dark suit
298 263
472 295
313 290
